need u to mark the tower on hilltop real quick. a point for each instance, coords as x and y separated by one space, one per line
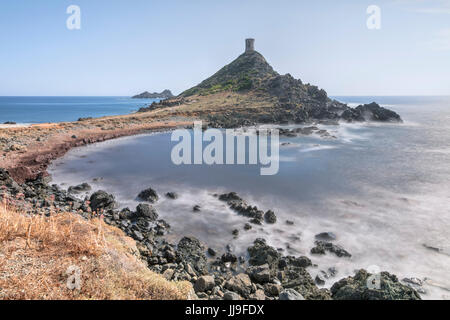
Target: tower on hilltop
249 45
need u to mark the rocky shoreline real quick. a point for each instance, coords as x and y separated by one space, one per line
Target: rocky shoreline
263 273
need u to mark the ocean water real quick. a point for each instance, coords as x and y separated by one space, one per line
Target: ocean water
383 189
61 109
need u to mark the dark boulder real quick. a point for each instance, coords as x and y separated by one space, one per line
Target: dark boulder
191 251
84 119
228 257
125 214
300 262
323 246
145 211
148 195
241 207
6 180
260 274
261 253
299 279
270 217
101 200
374 112
84 187
326 236
172 195
362 287
232 196
319 280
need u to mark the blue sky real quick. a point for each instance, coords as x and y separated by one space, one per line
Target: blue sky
126 47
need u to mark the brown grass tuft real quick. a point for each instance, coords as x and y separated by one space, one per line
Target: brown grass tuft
65 232
36 253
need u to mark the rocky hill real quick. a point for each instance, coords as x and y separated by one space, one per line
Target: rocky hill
247 72
248 91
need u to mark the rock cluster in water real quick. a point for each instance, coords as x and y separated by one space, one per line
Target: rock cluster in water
241 207
264 274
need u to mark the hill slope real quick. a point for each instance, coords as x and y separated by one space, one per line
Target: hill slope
249 91
246 72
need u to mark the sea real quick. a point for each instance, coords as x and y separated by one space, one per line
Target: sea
382 188
31 110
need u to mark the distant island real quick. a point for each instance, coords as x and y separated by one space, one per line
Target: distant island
166 94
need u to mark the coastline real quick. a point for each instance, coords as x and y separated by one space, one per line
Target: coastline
29 149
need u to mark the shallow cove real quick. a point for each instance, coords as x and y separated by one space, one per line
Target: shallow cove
383 189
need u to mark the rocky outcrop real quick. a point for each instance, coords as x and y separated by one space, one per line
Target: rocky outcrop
172 195
191 251
102 201
84 187
148 195
370 112
364 287
326 236
146 211
260 274
270 217
261 253
323 246
241 207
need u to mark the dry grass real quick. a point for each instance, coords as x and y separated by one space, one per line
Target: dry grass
64 232
36 253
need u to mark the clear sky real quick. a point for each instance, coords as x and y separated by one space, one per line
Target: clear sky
127 46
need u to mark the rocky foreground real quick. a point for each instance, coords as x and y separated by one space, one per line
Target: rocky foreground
264 273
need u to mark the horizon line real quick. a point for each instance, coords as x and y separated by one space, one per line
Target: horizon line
129 96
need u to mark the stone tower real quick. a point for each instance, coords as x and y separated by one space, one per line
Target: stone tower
249 45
